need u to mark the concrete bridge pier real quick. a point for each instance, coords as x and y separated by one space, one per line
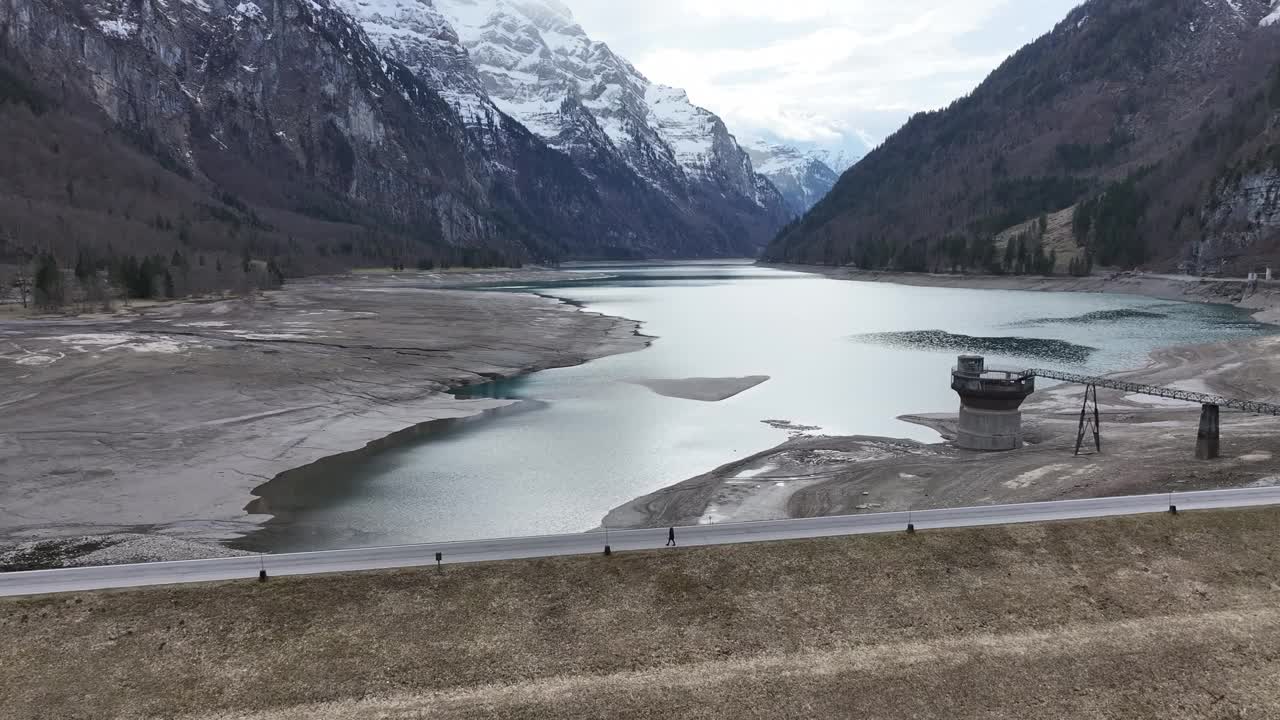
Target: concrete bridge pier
1208 446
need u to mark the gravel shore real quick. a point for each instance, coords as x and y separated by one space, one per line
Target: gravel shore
161 420
1148 443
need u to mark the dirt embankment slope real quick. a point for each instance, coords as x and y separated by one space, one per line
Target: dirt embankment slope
1146 617
164 419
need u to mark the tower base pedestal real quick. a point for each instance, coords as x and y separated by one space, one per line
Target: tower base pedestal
989 430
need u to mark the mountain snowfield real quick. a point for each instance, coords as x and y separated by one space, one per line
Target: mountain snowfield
530 61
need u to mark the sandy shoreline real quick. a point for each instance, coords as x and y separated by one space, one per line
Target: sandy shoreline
1148 442
164 419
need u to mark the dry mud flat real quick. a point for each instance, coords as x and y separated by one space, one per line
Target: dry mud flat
1149 617
1148 446
163 419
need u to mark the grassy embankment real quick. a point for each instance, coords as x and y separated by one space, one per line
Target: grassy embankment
1149 617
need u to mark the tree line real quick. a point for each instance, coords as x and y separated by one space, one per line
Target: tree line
91 281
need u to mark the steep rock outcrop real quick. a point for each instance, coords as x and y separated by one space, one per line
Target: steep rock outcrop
284 103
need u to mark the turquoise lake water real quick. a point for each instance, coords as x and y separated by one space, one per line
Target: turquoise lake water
847 357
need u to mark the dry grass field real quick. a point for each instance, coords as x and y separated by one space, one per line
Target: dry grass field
1150 617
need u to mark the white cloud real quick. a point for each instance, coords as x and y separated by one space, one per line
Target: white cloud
832 72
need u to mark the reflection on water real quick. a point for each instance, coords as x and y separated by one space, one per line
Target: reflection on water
1056 351
587 438
339 479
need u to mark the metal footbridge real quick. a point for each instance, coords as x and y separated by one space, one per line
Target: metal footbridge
1249 406
1208 439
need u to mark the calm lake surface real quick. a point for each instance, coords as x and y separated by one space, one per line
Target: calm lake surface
847 357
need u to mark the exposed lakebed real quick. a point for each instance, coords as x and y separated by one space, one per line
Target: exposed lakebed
846 358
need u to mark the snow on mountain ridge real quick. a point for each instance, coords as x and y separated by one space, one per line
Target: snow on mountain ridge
415 33
802 177
778 158
686 127
1273 17
534 59
507 66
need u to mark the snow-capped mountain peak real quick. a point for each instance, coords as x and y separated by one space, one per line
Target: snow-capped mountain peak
529 60
803 178
688 129
413 32
536 63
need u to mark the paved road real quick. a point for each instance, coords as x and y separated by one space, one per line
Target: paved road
335 561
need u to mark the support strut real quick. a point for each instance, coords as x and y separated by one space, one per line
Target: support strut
1090 421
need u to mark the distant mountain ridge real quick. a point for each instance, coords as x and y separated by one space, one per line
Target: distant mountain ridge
1156 120
802 178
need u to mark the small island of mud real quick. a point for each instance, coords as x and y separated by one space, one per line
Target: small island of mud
704 389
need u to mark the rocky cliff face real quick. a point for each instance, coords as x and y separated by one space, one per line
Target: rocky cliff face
1241 221
1140 108
284 127
282 102
540 68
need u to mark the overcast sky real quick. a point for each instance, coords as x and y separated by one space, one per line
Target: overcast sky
828 72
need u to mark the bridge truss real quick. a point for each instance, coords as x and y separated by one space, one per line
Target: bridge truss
1207 441
1249 406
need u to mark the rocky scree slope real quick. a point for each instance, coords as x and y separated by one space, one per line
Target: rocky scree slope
1158 118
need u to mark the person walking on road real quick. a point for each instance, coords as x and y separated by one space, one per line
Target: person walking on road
671 537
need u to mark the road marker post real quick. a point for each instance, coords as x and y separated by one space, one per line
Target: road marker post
262 570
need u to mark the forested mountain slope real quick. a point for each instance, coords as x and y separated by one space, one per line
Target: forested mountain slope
1157 118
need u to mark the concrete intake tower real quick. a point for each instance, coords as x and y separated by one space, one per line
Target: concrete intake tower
990 418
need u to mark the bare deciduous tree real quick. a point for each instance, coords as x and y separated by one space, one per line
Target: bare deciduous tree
23 282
